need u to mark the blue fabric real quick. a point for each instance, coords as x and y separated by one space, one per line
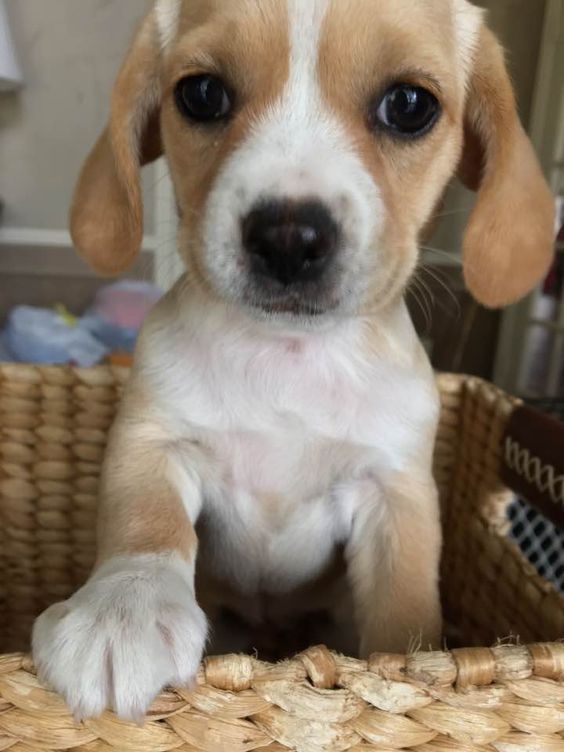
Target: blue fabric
5 354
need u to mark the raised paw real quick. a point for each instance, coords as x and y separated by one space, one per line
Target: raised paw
133 629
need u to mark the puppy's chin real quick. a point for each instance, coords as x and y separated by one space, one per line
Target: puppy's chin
301 313
301 305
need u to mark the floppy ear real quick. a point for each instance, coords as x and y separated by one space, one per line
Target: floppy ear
509 242
107 209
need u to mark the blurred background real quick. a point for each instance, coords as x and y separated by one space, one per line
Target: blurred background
58 59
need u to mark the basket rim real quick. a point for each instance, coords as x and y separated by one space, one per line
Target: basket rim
330 701
458 669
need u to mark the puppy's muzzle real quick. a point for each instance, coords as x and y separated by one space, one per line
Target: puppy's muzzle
290 242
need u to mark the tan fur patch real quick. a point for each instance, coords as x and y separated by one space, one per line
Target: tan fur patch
386 563
365 48
140 510
247 45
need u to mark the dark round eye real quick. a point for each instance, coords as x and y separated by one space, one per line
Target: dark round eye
203 98
408 110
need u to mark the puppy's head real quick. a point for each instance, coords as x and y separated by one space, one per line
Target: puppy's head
309 142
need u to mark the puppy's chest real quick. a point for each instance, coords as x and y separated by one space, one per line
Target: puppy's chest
274 518
278 445
279 463
279 425
273 512
283 437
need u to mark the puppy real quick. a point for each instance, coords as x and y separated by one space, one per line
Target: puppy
277 431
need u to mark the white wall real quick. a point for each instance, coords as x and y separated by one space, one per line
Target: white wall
70 51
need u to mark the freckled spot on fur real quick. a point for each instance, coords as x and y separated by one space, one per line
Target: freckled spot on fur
294 346
344 202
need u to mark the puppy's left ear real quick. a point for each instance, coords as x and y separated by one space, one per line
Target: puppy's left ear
107 210
509 242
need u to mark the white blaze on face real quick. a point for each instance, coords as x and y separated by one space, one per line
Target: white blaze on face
302 97
468 22
296 149
167 14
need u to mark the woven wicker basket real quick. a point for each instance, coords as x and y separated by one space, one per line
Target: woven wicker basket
53 425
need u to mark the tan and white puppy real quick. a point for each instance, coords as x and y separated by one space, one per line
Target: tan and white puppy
281 412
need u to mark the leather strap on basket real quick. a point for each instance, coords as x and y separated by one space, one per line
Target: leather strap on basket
533 463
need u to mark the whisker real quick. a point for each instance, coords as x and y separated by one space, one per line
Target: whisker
454 212
429 297
452 257
468 322
414 290
441 282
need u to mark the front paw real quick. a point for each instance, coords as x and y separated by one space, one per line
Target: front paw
133 629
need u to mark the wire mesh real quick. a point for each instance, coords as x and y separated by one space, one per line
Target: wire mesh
539 540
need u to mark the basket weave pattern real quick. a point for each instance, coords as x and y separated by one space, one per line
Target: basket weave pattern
53 428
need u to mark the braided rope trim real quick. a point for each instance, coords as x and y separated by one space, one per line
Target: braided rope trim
542 475
508 698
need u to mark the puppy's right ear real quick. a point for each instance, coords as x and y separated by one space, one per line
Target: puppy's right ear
107 209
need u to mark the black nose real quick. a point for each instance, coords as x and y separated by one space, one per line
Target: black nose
290 241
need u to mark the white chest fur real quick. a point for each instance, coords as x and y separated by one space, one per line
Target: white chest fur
289 424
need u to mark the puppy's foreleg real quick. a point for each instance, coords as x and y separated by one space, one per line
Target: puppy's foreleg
135 626
393 566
